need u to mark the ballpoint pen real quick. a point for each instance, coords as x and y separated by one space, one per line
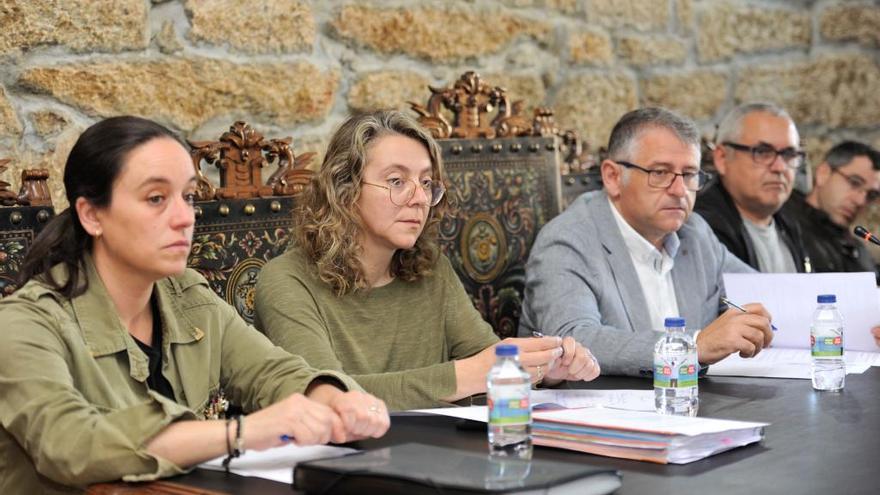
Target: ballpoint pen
737 306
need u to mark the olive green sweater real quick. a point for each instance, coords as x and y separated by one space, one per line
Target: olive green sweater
398 341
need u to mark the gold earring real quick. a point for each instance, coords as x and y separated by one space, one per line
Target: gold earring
98 233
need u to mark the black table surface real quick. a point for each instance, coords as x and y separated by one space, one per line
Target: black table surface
818 442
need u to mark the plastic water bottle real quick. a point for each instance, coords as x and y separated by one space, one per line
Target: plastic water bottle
826 345
675 371
510 414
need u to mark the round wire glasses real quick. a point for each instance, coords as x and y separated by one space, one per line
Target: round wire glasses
401 191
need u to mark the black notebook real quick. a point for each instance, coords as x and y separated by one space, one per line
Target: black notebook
414 468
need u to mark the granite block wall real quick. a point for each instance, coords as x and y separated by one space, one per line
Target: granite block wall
298 67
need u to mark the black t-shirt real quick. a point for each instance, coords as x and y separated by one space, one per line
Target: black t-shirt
156 380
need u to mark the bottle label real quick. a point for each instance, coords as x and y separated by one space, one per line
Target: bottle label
509 412
826 345
674 373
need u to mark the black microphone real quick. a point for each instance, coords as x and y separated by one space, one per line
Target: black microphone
864 234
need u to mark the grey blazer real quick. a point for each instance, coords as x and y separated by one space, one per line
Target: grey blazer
580 281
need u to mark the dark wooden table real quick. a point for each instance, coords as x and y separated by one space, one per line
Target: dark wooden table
818 442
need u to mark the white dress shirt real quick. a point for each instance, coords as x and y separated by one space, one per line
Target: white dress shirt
654 269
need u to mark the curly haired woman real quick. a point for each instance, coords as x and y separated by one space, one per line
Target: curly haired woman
364 289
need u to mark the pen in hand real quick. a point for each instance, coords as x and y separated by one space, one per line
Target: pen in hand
732 304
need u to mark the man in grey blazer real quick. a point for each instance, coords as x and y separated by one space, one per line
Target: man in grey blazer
611 267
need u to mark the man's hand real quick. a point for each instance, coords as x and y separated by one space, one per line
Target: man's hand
876 332
735 331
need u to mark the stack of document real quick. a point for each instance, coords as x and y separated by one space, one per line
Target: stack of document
641 435
549 399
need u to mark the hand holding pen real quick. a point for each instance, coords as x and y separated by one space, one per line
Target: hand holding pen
744 330
733 305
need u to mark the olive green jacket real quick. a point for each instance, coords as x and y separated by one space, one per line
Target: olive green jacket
74 404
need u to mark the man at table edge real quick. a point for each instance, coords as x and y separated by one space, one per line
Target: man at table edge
617 262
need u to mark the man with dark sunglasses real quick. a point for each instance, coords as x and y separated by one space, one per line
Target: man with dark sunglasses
756 157
845 183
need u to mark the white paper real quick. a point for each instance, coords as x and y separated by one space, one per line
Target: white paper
787 363
632 400
644 421
791 299
473 413
276 464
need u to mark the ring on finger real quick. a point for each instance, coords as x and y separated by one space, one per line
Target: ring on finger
540 372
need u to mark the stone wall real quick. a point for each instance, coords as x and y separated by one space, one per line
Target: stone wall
298 67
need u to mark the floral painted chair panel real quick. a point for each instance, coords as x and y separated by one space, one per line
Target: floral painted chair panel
246 221
503 181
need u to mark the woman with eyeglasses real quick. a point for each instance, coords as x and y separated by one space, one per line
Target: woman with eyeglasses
116 357
363 288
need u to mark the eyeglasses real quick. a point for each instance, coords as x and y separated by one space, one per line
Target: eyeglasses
858 184
662 179
401 191
765 155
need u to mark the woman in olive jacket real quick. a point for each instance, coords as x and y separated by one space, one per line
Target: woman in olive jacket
116 357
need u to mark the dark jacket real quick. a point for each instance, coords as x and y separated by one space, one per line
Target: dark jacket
716 206
831 248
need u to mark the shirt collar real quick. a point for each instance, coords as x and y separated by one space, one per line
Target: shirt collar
104 332
639 247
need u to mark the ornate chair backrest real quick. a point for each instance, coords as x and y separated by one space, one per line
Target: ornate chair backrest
580 168
22 217
243 223
503 183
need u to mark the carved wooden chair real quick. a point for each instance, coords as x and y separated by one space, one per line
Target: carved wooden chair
580 171
243 223
22 217
503 184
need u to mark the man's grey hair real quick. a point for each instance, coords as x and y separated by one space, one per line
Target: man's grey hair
621 143
730 128
843 153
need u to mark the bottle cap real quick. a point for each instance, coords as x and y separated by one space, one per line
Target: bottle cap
826 298
676 322
506 350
